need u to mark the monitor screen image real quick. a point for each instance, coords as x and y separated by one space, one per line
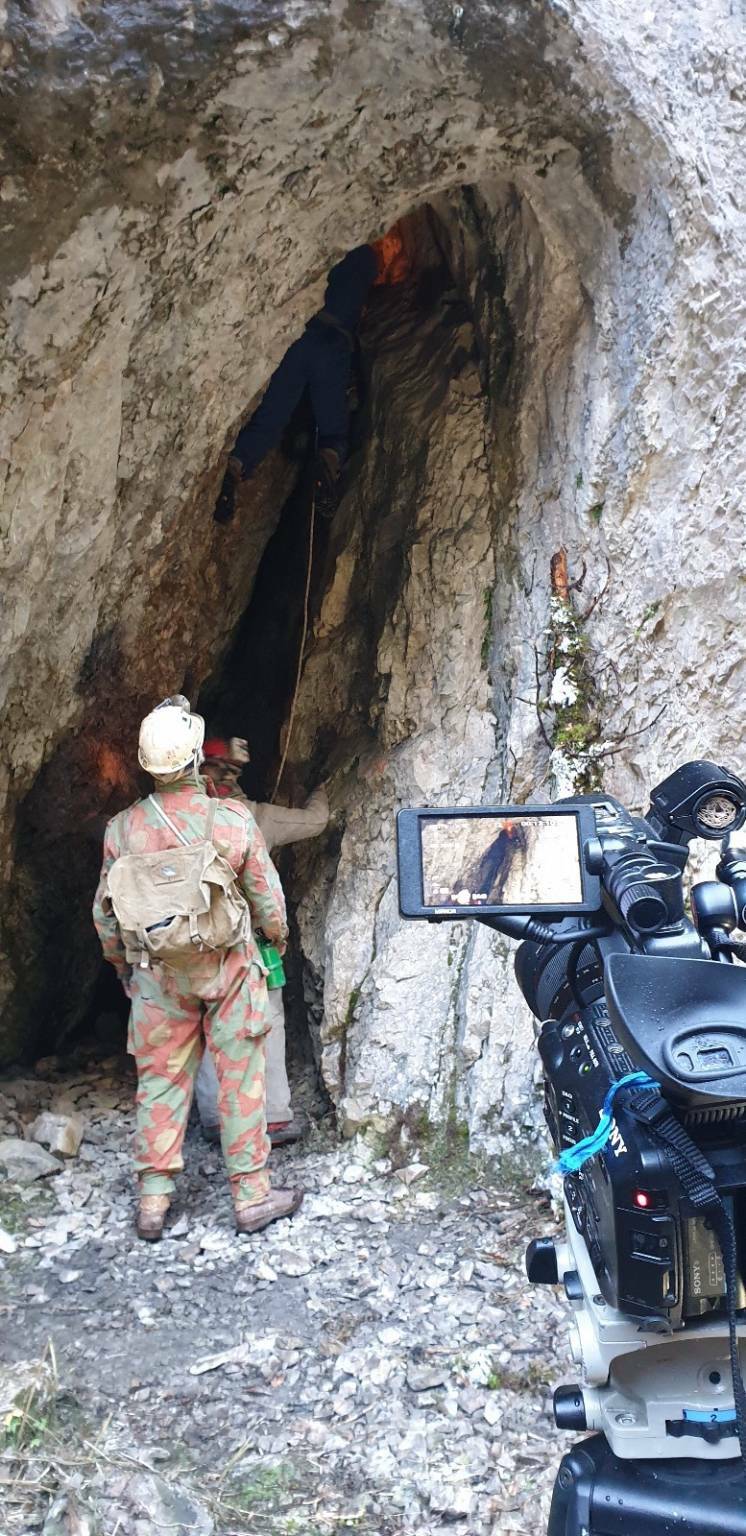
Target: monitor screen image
489 861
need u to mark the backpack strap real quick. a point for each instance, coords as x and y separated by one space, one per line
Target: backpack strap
209 829
182 838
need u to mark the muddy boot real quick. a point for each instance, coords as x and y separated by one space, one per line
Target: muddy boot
151 1214
278 1204
327 482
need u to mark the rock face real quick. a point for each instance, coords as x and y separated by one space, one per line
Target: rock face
562 371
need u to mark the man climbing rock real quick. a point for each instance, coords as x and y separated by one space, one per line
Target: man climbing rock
322 361
190 964
279 825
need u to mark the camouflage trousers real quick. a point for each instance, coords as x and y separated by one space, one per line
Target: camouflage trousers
172 1016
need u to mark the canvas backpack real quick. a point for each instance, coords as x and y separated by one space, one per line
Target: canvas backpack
178 903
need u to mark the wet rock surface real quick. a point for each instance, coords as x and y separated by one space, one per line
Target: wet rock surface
378 1365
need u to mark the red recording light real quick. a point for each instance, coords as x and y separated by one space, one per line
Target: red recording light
642 1200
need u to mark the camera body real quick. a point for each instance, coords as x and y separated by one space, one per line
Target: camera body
653 1256
628 989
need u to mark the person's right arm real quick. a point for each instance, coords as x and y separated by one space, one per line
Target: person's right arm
283 824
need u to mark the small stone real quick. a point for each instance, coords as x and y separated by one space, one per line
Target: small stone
411 1172
69 1276
470 1400
353 1174
25 1161
456 1500
214 1242
166 1506
236 1356
424 1378
290 1263
8 1243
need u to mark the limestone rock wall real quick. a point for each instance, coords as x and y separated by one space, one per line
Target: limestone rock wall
176 182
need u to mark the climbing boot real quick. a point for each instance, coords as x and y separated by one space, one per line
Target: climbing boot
151 1214
278 1204
327 482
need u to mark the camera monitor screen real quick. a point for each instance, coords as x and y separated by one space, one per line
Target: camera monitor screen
505 859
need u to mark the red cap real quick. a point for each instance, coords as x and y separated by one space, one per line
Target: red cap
216 747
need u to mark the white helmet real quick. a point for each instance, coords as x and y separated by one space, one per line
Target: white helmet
170 737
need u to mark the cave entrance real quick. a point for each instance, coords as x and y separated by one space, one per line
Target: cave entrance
398 636
419 346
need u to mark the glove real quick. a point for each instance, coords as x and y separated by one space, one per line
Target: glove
239 749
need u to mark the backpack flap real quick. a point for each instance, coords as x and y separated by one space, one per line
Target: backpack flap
177 903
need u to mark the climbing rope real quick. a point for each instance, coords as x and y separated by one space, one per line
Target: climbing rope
304 634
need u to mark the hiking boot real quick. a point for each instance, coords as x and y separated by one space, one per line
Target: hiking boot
327 482
151 1214
278 1204
284 1134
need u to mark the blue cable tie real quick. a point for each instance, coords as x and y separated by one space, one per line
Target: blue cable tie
573 1158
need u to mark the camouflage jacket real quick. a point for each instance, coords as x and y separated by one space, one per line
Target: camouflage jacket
140 830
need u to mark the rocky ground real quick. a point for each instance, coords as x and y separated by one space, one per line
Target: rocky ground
379 1365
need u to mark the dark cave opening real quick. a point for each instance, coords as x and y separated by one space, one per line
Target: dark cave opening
251 693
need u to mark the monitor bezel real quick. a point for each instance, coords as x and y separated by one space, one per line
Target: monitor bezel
409 857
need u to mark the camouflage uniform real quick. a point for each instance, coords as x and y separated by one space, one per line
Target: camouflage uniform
220 999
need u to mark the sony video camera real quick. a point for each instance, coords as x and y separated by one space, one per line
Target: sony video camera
643 1045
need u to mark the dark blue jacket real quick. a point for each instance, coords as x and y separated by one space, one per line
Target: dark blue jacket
321 360
349 285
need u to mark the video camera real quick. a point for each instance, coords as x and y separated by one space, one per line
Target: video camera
643 1044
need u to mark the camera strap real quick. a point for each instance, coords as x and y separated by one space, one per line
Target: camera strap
697 1180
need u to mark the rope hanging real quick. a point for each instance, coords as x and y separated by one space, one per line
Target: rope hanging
304 634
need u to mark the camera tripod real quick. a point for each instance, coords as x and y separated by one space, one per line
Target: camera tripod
647 1392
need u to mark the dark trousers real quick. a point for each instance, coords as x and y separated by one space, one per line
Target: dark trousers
319 361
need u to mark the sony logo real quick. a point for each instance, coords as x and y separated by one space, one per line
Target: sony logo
616 1140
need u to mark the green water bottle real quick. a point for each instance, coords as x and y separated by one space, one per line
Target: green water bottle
272 961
